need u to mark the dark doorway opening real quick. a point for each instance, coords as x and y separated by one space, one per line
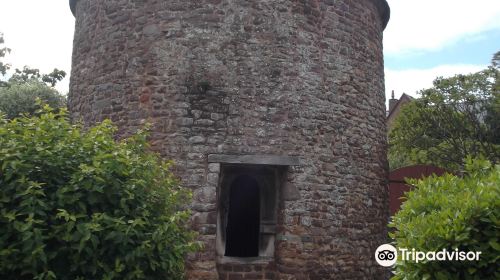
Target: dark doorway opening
243 224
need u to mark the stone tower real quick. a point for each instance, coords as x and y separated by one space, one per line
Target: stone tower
273 111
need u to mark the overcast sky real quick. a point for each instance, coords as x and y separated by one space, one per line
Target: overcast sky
429 38
424 38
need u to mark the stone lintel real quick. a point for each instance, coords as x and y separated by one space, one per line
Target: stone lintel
256 159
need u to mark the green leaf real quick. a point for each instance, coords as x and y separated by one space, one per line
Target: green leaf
75 200
495 245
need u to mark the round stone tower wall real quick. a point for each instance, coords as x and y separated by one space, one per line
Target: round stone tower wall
290 92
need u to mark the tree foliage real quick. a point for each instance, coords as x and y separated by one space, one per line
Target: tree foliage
496 59
3 66
19 93
451 212
77 204
31 75
19 98
459 116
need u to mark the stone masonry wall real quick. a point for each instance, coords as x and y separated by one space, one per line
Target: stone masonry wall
282 77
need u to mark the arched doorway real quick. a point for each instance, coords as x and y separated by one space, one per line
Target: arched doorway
242 232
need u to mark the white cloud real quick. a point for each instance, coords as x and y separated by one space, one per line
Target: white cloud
427 25
40 34
412 80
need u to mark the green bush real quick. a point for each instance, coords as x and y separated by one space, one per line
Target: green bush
18 98
77 204
451 212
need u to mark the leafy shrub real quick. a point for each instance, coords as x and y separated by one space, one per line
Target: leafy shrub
77 204
451 212
18 98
